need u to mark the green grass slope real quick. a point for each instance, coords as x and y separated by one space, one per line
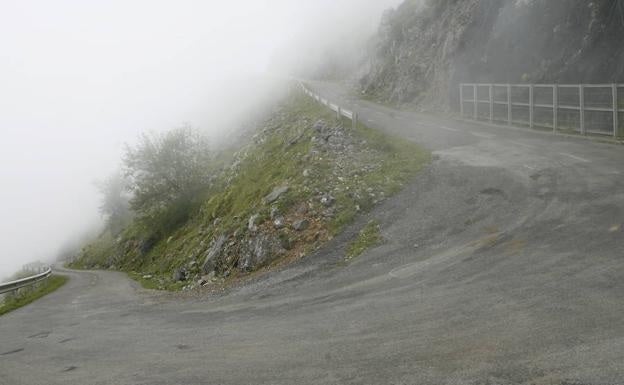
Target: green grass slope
332 172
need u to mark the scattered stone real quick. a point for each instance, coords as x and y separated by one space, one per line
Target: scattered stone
306 173
251 224
295 140
279 222
206 279
147 276
327 200
274 213
329 213
301 225
302 209
180 275
320 126
286 242
213 254
276 194
259 251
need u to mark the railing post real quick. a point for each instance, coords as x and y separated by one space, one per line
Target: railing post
616 124
338 113
509 104
531 105
461 99
555 107
491 102
582 107
475 113
354 120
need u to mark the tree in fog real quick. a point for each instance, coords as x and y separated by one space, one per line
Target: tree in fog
167 172
115 202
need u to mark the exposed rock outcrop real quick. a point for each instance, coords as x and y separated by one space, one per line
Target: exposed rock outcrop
425 49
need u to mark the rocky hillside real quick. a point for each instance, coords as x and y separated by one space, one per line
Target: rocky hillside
424 49
300 180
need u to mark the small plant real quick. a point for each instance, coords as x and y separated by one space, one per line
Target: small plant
368 237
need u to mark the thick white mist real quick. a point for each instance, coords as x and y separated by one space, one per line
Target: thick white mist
78 79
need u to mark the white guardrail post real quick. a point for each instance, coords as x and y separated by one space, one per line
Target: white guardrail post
475 100
18 284
582 107
461 100
491 91
509 105
531 105
555 108
616 124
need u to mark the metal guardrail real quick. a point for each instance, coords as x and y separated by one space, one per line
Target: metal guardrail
340 111
18 284
584 108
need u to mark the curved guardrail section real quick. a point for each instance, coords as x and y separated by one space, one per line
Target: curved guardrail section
18 284
340 112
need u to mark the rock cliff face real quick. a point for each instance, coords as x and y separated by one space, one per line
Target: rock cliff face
425 49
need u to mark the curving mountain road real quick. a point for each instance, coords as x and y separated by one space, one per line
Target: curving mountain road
504 263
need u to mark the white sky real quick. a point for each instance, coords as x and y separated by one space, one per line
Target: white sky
80 78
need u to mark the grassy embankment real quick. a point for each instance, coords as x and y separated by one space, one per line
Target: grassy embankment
369 166
30 294
368 237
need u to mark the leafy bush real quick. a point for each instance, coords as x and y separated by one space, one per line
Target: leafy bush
167 174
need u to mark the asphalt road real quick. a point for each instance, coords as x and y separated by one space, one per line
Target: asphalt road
503 263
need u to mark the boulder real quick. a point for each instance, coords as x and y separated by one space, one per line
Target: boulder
301 225
279 222
276 194
251 224
259 250
206 279
320 126
180 275
327 200
213 254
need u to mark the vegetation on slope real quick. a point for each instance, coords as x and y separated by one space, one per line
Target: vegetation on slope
29 294
303 177
368 237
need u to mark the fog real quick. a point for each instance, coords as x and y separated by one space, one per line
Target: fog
78 79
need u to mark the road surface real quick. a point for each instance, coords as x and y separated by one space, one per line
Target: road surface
503 264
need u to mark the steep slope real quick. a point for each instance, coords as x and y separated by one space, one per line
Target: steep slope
423 51
299 181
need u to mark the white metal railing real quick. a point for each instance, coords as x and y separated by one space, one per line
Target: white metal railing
18 284
584 108
340 111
